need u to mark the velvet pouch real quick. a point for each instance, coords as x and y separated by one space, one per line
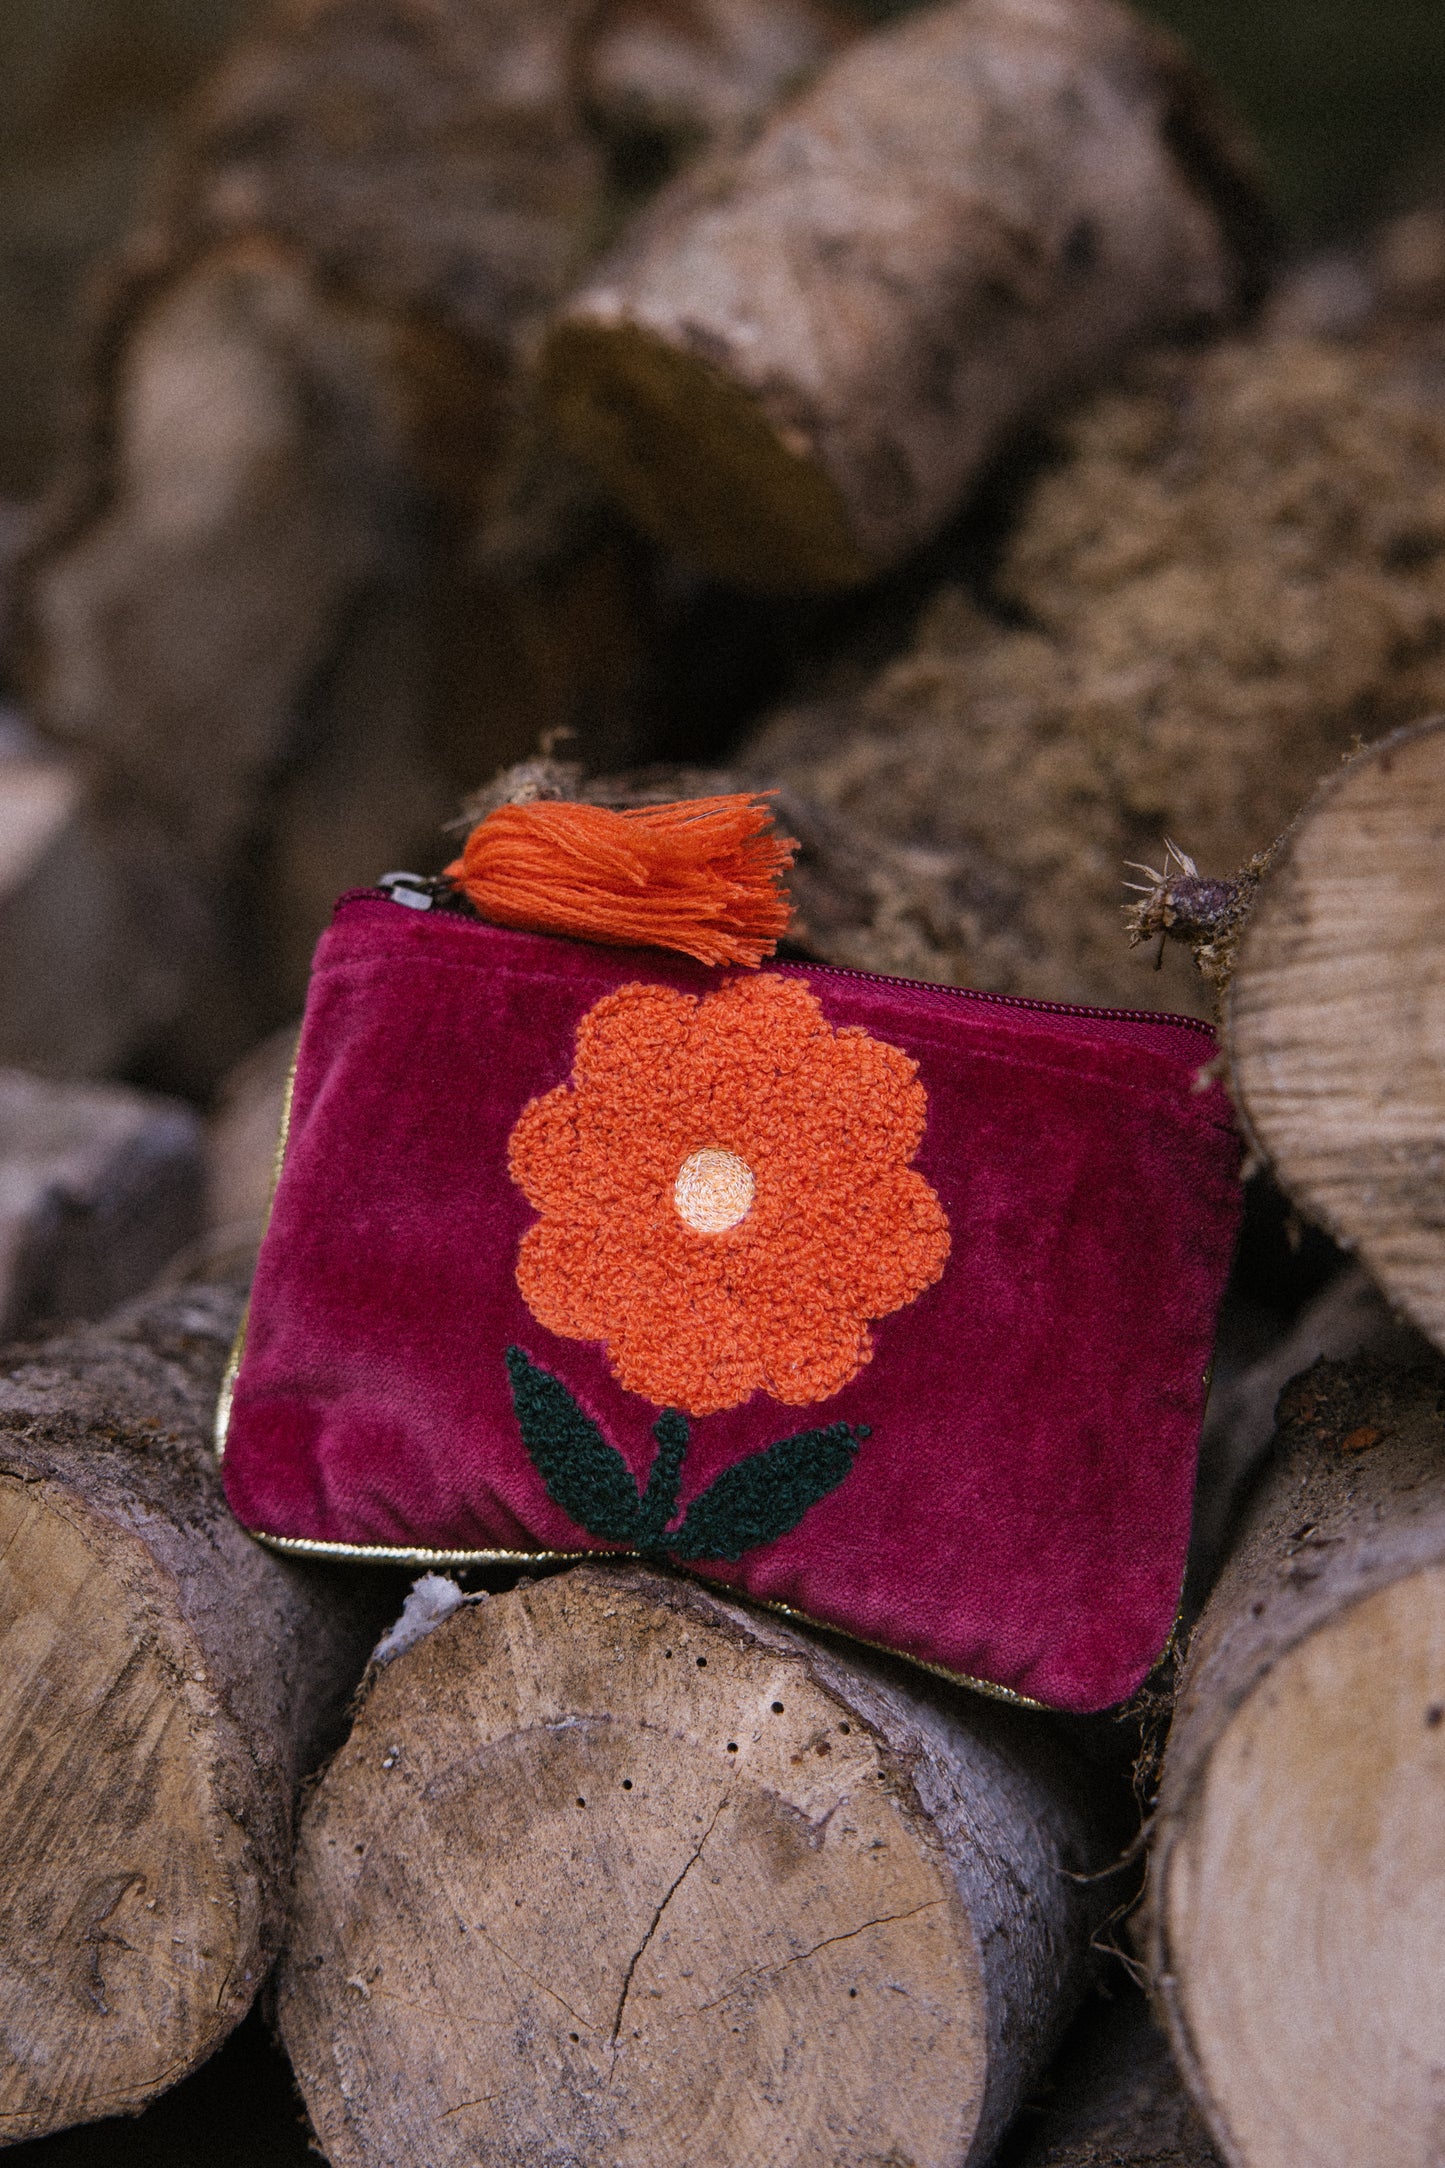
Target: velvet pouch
887 1304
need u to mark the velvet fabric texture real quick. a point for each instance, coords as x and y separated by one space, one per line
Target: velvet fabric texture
1011 1498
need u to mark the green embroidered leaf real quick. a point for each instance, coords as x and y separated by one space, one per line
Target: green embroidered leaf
765 1495
584 1475
659 1500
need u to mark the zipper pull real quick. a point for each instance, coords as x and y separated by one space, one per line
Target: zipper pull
414 890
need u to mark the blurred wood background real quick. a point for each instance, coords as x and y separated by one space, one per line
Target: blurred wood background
1167 612
1345 97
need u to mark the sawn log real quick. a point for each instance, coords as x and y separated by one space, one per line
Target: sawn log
164 1685
1297 1878
796 365
611 1869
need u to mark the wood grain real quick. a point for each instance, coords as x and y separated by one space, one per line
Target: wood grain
793 368
164 1683
612 1870
1336 1016
1298 1873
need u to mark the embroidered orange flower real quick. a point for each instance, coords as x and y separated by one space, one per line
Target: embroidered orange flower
725 1194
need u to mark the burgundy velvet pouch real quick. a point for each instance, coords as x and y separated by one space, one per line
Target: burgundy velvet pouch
885 1303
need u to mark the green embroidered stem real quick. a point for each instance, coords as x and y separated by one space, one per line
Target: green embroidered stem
659 1500
753 1502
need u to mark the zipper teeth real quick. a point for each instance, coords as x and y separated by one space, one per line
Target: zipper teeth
1012 1001
1165 1017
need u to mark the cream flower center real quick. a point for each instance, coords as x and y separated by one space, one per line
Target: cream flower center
713 1191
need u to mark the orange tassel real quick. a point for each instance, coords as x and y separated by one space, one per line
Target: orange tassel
703 875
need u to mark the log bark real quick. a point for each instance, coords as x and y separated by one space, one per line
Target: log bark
1291 1298
795 370
77 123
101 934
99 1188
1297 1879
15 526
1348 1317
175 633
1335 1017
164 1684
313 571
660 79
306 361
611 1869
242 1141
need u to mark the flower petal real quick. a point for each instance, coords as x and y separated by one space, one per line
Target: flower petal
841 1230
542 1149
627 1034
688 1347
818 1353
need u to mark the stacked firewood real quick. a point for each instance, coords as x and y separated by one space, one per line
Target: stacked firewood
895 414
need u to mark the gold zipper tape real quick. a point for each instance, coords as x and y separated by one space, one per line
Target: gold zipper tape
238 1346
388 1554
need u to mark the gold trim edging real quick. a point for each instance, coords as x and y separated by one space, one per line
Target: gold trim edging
238 1346
228 1385
386 1554
392 1554
919 1663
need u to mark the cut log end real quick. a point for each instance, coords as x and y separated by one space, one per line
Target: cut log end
1298 1874
1336 1019
609 1871
1316 2034
697 460
139 1948
164 1685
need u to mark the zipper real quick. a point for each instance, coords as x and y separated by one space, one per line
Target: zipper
1012 1001
424 892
